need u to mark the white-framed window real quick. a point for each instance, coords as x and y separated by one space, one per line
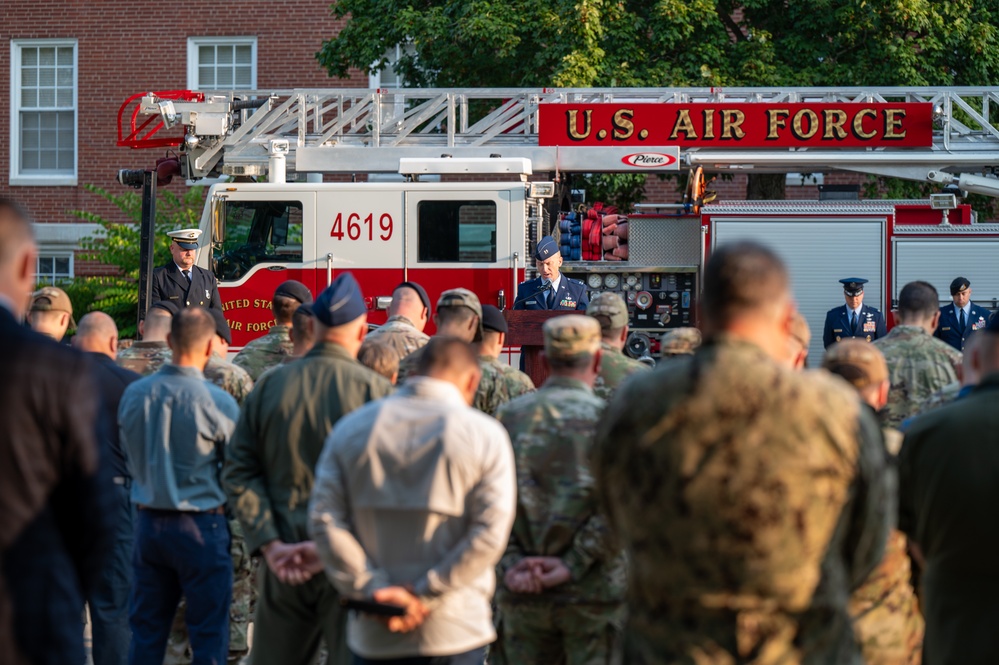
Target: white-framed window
53 267
388 77
43 112
221 63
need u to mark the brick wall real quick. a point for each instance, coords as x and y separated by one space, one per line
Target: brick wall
734 189
129 47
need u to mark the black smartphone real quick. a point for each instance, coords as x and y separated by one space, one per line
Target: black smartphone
371 607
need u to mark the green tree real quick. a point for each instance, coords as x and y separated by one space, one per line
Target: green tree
583 43
116 245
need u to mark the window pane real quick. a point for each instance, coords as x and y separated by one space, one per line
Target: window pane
64 98
224 77
259 232
62 266
49 140
243 79
206 77
206 55
65 77
65 161
29 139
29 161
46 98
456 231
244 54
29 76
225 55
29 56
29 98
48 160
65 56
47 56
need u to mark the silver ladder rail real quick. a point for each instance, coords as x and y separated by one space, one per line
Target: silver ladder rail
356 130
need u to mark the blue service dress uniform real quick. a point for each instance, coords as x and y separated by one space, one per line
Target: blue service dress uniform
949 329
870 325
571 295
170 285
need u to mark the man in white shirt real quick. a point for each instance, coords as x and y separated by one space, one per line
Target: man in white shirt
413 504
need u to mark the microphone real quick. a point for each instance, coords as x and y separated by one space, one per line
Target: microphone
546 285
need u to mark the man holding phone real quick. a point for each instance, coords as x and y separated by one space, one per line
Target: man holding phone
411 511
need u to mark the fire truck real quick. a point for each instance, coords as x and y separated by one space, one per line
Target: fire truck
459 185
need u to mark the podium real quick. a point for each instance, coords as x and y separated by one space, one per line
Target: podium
524 330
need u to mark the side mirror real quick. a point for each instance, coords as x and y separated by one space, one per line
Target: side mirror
218 219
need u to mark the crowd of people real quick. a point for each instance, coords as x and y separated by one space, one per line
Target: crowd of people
385 496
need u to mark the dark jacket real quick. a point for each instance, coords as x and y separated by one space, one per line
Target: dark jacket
949 328
870 325
111 382
948 494
571 295
202 291
55 493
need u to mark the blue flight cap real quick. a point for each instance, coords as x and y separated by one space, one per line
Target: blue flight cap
547 248
341 302
853 286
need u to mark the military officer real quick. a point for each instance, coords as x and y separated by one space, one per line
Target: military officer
964 317
855 319
550 289
611 312
180 281
562 578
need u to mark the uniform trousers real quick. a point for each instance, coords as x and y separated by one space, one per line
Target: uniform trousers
291 621
549 632
181 553
109 600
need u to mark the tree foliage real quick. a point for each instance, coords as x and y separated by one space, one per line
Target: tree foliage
117 245
638 43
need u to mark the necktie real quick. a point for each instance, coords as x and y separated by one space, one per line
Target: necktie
963 321
187 274
853 322
551 297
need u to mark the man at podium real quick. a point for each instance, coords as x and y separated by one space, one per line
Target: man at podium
550 289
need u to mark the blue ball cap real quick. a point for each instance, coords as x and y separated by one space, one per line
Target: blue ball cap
341 302
547 248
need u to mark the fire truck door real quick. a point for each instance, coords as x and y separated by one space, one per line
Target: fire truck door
264 238
461 238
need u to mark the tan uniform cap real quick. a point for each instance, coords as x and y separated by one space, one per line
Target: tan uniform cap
680 341
463 298
610 305
52 299
571 336
856 360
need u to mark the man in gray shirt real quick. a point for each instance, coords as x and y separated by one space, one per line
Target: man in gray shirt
413 503
174 426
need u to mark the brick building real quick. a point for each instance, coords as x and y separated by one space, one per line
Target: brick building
69 65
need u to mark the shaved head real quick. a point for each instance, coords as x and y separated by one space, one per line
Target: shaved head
406 302
157 325
97 333
18 254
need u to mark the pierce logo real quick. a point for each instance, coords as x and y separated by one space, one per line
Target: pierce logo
648 160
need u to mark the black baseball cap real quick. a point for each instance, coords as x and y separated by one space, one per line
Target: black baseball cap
492 319
420 291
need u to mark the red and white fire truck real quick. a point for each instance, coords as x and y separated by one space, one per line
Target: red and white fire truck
413 219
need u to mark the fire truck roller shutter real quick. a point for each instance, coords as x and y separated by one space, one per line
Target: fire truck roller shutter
818 252
938 261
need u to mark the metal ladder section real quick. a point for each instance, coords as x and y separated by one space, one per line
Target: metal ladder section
355 130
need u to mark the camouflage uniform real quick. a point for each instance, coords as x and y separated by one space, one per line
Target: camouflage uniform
884 610
230 378
265 352
552 433
145 357
400 334
517 383
493 388
751 498
945 395
235 381
615 367
918 365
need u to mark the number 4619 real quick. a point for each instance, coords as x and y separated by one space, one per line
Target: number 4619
356 226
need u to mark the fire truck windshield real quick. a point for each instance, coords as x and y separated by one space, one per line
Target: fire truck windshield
258 232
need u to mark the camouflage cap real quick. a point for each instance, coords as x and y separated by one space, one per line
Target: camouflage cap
610 305
463 298
680 341
856 360
52 299
800 329
570 336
